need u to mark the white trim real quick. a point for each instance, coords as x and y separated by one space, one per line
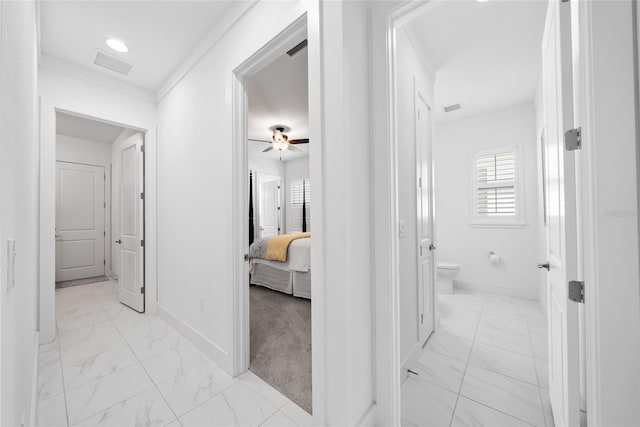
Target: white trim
48 110
208 347
306 22
386 17
220 29
34 380
59 65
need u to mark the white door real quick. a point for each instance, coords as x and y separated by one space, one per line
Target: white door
269 210
425 220
130 232
564 382
80 227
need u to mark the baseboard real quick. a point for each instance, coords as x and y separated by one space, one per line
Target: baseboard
489 289
34 380
369 416
208 347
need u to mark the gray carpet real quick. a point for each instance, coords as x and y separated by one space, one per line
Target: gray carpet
281 343
88 280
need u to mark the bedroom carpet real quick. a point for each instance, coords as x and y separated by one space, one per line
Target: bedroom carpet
87 281
281 343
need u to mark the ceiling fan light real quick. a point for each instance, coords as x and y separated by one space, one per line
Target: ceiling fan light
280 145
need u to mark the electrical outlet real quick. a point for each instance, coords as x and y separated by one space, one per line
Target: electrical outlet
401 229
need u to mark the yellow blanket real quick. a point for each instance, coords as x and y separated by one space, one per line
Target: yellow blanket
277 246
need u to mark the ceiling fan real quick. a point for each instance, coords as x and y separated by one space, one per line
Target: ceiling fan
281 142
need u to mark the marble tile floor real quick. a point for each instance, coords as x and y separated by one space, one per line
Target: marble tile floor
111 366
486 365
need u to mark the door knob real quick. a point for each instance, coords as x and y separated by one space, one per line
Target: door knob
119 241
432 247
545 265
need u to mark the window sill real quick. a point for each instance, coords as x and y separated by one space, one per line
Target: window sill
498 224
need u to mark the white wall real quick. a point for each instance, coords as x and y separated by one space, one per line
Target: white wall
65 87
293 170
412 75
18 210
194 168
77 150
468 246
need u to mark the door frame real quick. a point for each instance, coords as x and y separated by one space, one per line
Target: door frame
304 24
386 18
48 111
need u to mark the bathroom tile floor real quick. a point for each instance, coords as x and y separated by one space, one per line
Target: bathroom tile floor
111 366
486 365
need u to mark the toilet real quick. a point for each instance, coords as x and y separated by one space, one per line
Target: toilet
446 272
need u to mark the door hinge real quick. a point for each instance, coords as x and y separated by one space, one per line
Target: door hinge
142 196
142 148
104 233
246 257
142 242
105 205
420 182
422 318
104 262
142 290
105 176
576 291
573 139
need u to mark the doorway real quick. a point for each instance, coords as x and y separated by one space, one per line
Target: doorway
285 138
100 206
280 211
485 184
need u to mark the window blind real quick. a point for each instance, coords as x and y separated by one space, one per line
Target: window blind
294 216
495 184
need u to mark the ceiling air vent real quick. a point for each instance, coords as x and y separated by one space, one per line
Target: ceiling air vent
453 107
297 48
112 63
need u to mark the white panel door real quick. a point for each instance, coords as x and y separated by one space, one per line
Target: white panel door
131 225
564 382
80 224
269 210
426 271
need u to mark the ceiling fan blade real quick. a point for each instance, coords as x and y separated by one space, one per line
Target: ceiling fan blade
267 149
258 140
294 148
299 141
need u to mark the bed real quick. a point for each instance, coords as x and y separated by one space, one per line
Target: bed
292 276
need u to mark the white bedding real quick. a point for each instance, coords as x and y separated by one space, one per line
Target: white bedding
298 257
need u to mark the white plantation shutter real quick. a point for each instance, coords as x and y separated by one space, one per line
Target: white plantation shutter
495 180
294 215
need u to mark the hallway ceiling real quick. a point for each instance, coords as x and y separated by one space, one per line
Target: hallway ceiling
487 55
278 95
93 130
159 34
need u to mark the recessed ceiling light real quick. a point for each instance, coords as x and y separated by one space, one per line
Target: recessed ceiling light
482 1
117 45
